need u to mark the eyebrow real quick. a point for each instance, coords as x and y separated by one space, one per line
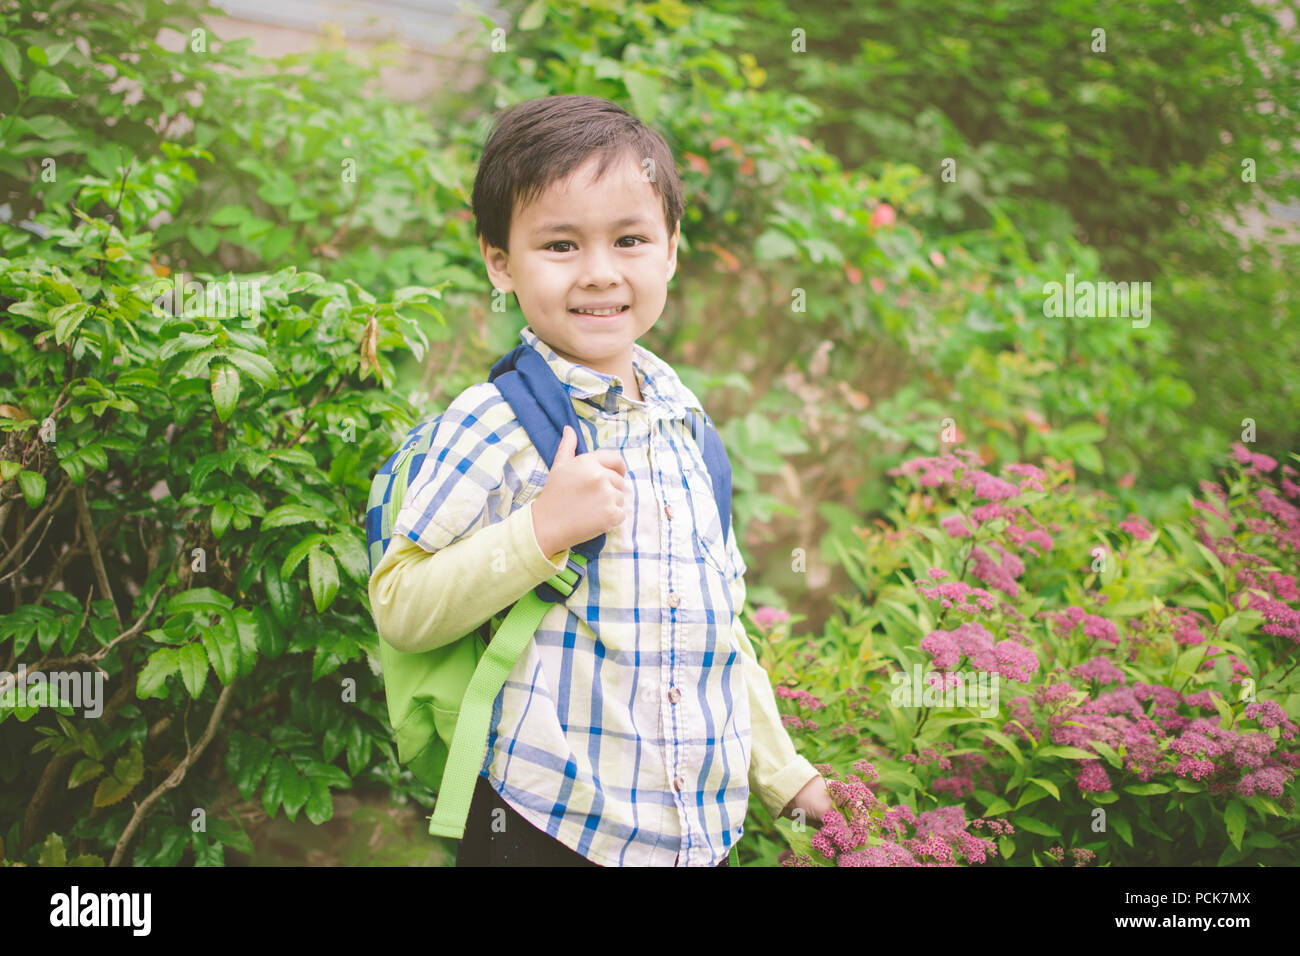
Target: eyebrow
623 223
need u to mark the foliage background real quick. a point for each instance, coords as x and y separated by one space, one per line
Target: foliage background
920 320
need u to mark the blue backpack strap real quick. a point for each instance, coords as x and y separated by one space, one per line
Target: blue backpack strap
719 465
543 407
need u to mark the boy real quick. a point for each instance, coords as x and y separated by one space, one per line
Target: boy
631 730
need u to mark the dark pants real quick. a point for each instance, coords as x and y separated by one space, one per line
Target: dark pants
520 844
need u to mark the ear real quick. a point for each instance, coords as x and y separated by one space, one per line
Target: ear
497 262
672 250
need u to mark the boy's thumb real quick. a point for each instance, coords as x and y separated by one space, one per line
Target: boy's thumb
568 442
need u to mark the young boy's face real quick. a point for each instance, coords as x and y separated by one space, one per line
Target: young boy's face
589 244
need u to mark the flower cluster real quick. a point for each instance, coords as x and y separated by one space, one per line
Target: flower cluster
972 642
766 617
863 831
1094 627
953 594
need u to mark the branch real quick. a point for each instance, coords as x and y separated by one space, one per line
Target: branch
96 559
50 506
174 778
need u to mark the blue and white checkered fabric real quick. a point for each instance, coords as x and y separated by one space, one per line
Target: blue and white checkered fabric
624 729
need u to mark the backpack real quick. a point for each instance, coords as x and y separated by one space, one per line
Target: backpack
440 702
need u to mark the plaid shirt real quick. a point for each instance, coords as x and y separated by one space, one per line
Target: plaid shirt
625 730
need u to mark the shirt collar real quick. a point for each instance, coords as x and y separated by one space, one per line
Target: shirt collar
660 385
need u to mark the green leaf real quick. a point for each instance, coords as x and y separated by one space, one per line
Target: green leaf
1048 786
1032 824
203 600
323 574
12 61
48 85
222 645
273 792
298 552
127 772
153 676
194 667
1234 818
1147 789
33 488
1031 795
246 627
281 594
206 853
292 514
66 318
352 555
533 16
297 789
1073 753
1108 754
85 769
225 389
247 761
222 513
1121 825
1224 709
320 805
53 852
1006 743
999 805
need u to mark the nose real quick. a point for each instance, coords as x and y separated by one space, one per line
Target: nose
598 269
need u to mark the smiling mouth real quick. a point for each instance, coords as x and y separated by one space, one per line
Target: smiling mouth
601 313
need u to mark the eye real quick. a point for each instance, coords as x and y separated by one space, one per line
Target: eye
635 238
560 242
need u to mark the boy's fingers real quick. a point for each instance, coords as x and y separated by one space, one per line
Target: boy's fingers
611 459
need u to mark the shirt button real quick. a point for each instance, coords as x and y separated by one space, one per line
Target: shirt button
674 695
668 510
674 600
678 783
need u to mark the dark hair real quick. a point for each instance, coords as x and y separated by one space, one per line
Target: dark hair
539 142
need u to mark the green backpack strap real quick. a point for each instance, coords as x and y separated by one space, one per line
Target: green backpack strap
469 742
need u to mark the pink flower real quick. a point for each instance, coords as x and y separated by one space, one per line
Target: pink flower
955 526
989 488
1270 715
1099 669
1284 586
1001 576
1270 780
1137 526
768 616
883 215
1034 476
1092 777
1246 457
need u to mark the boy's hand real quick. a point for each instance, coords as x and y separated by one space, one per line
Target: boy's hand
813 800
583 496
